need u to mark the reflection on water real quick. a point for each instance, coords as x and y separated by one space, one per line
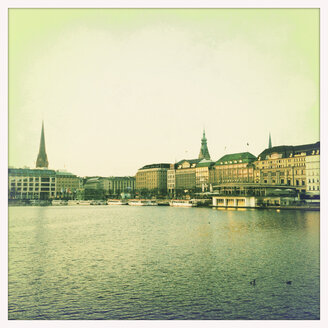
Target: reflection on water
126 262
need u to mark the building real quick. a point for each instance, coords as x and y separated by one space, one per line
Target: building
31 184
95 188
235 168
152 177
204 175
67 185
42 159
117 185
289 165
171 177
312 172
185 174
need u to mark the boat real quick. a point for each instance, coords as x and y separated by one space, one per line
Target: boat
58 202
78 202
183 203
72 202
142 202
98 202
84 202
117 202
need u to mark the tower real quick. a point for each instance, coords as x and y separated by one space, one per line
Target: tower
42 160
270 143
204 153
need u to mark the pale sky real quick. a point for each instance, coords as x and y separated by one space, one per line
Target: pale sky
121 88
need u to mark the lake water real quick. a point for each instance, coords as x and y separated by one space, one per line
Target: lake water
126 262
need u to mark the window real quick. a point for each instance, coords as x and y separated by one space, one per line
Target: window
282 181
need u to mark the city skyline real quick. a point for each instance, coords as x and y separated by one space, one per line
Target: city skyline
118 89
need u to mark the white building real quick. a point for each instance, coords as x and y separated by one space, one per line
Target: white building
312 170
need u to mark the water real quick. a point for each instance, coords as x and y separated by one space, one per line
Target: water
125 262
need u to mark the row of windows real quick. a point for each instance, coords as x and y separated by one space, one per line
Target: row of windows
314 188
313 180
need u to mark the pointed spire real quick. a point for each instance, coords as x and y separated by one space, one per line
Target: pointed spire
270 143
42 160
204 153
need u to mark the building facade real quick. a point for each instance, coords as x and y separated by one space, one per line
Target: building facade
235 168
185 174
289 165
67 185
31 184
204 175
152 177
312 172
118 185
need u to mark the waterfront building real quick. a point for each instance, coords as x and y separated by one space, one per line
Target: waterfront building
204 175
42 159
171 177
312 172
204 153
95 188
288 165
235 168
152 177
117 185
67 185
31 184
185 174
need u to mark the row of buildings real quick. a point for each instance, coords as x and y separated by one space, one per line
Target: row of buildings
295 167
42 183
281 166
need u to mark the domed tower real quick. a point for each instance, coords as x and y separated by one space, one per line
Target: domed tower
204 153
42 160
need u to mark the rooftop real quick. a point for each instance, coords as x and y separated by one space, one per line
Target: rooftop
245 157
156 166
287 151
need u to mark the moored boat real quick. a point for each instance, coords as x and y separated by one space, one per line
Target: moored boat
183 203
142 202
117 202
58 202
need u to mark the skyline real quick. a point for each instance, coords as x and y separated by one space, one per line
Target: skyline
122 88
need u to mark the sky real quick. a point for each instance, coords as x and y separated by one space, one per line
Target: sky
121 88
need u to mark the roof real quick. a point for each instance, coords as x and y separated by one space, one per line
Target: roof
156 166
205 163
245 157
190 161
64 173
31 172
287 151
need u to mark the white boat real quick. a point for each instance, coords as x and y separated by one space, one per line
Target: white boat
183 203
58 202
84 202
73 202
78 202
142 202
98 202
117 202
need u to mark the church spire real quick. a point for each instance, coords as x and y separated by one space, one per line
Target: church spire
42 160
270 143
204 153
